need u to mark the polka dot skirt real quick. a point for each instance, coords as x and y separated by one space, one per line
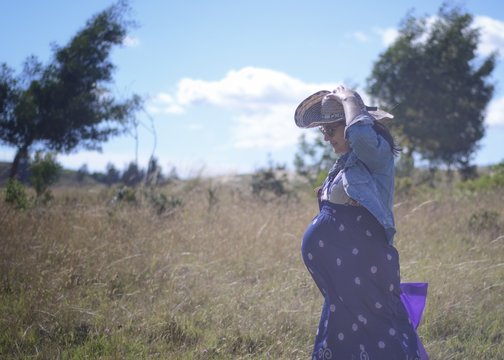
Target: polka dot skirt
357 271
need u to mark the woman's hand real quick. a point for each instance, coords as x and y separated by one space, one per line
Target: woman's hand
351 101
341 93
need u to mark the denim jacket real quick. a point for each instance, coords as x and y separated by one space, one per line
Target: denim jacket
368 172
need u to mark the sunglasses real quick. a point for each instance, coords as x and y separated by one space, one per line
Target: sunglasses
330 130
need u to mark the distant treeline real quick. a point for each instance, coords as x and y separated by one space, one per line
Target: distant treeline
132 174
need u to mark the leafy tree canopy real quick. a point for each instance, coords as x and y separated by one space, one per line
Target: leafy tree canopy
67 104
437 85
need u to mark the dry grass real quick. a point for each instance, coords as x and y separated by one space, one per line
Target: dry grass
84 279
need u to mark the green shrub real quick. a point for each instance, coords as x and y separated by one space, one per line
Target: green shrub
494 179
15 194
45 172
125 193
271 182
146 196
160 202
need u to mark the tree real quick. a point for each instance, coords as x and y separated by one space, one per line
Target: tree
82 173
133 175
313 160
112 175
154 174
67 103
440 88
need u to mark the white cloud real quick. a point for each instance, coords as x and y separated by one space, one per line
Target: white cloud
388 35
492 34
359 36
495 113
246 89
164 104
272 129
131 41
263 102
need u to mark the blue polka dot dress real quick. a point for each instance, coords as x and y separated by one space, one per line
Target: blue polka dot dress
346 252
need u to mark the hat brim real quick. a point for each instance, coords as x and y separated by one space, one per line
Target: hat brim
309 112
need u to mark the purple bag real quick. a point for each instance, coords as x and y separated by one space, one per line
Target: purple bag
413 297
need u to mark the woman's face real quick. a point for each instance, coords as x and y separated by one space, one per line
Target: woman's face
334 133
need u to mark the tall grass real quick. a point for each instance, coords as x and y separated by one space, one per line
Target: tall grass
221 277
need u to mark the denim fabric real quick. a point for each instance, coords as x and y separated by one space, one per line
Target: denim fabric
368 174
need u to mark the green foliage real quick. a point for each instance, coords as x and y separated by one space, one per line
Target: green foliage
266 180
484 183
154 174
45 172
270 182
313 160
15 194
498 169
112 175
467 171
133 175
149 195
67 103
160 202
440 91
82 173
487 182
173 202
126 194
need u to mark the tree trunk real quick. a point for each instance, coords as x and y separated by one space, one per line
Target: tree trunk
21 153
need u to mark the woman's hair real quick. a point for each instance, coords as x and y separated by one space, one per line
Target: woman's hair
385 133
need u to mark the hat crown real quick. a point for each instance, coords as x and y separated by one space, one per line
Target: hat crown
332 108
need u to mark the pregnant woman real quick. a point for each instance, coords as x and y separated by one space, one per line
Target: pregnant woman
348 248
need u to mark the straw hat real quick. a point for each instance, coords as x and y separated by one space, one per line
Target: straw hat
324 108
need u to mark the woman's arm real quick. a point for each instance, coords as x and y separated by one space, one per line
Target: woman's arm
370 147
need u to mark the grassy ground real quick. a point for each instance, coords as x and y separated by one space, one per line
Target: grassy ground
221 276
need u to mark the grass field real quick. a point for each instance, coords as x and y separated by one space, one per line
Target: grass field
219 275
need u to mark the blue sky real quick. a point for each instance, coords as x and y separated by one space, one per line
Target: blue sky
222 78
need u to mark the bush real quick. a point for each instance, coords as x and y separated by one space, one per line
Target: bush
160 202
270 182
146 196
15 194
45 172
490 181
